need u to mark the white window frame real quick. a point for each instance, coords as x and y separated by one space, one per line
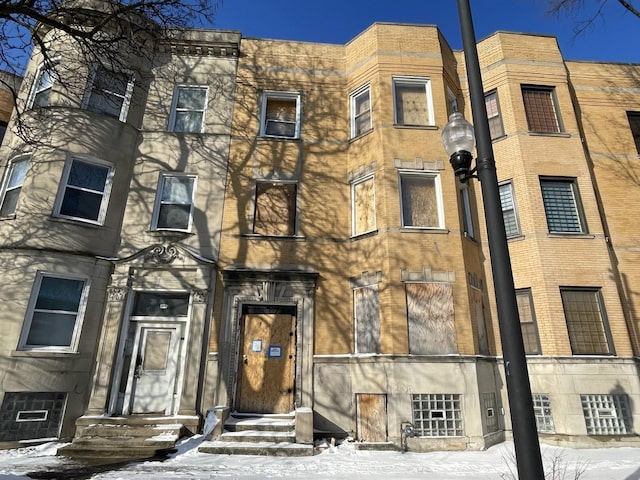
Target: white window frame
575 204
414 81
508 184
126 98
44 66
158 202
174 107
105 193
7 177
354 219
276 95
35 292
353 97
438 186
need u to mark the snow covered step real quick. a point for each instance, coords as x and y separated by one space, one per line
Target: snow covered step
259 436
277 449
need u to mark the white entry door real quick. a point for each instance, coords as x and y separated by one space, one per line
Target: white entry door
152 375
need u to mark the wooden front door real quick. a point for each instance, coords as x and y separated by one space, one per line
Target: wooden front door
372 417
267 363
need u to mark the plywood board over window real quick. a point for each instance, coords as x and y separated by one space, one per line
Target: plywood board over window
367 312
431 319
275 209
364 207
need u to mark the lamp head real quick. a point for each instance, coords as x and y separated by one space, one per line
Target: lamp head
459 139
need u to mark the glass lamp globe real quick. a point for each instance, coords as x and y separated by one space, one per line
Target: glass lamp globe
458 134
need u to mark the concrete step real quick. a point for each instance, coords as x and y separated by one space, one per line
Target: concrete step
256 436
113 453
272 423
278 449
110 430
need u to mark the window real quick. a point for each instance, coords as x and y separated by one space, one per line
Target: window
467 216
430 319
542 412
160 304
280 115
361 111
412 98
275 212
606 414
363 200
586 321
84 190
437 414
188 109
421 200
540 108
452 102
174 202
3 130
42 85
55 312
366 306
16 172
109 93
528 321
562 205
493 115
634 124
507 201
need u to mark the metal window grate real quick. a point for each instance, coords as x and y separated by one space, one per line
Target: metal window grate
540 109
585 322
437 414
606 414
542 411
560 206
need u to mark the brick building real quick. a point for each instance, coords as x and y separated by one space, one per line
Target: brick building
276 230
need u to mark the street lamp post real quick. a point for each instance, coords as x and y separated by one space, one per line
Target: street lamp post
458 139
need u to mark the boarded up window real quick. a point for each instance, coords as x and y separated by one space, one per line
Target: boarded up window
372 417
528 322
430 318
411 102
275 209
419 201
477 315
364 207
367 319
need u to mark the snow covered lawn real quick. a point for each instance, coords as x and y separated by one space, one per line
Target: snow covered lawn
341 462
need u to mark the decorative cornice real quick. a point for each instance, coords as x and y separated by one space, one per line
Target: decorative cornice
163 254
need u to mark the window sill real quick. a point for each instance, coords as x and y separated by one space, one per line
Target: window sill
550 134
76 221
44 353
416 127
570 235
500 138
363 134
361 236
170 233
255 236
8 217
515 238
424 230
279 139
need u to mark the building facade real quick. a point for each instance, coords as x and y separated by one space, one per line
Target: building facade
252 226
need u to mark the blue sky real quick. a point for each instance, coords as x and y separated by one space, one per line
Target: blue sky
614 38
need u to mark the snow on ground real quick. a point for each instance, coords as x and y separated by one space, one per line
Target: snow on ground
335 463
